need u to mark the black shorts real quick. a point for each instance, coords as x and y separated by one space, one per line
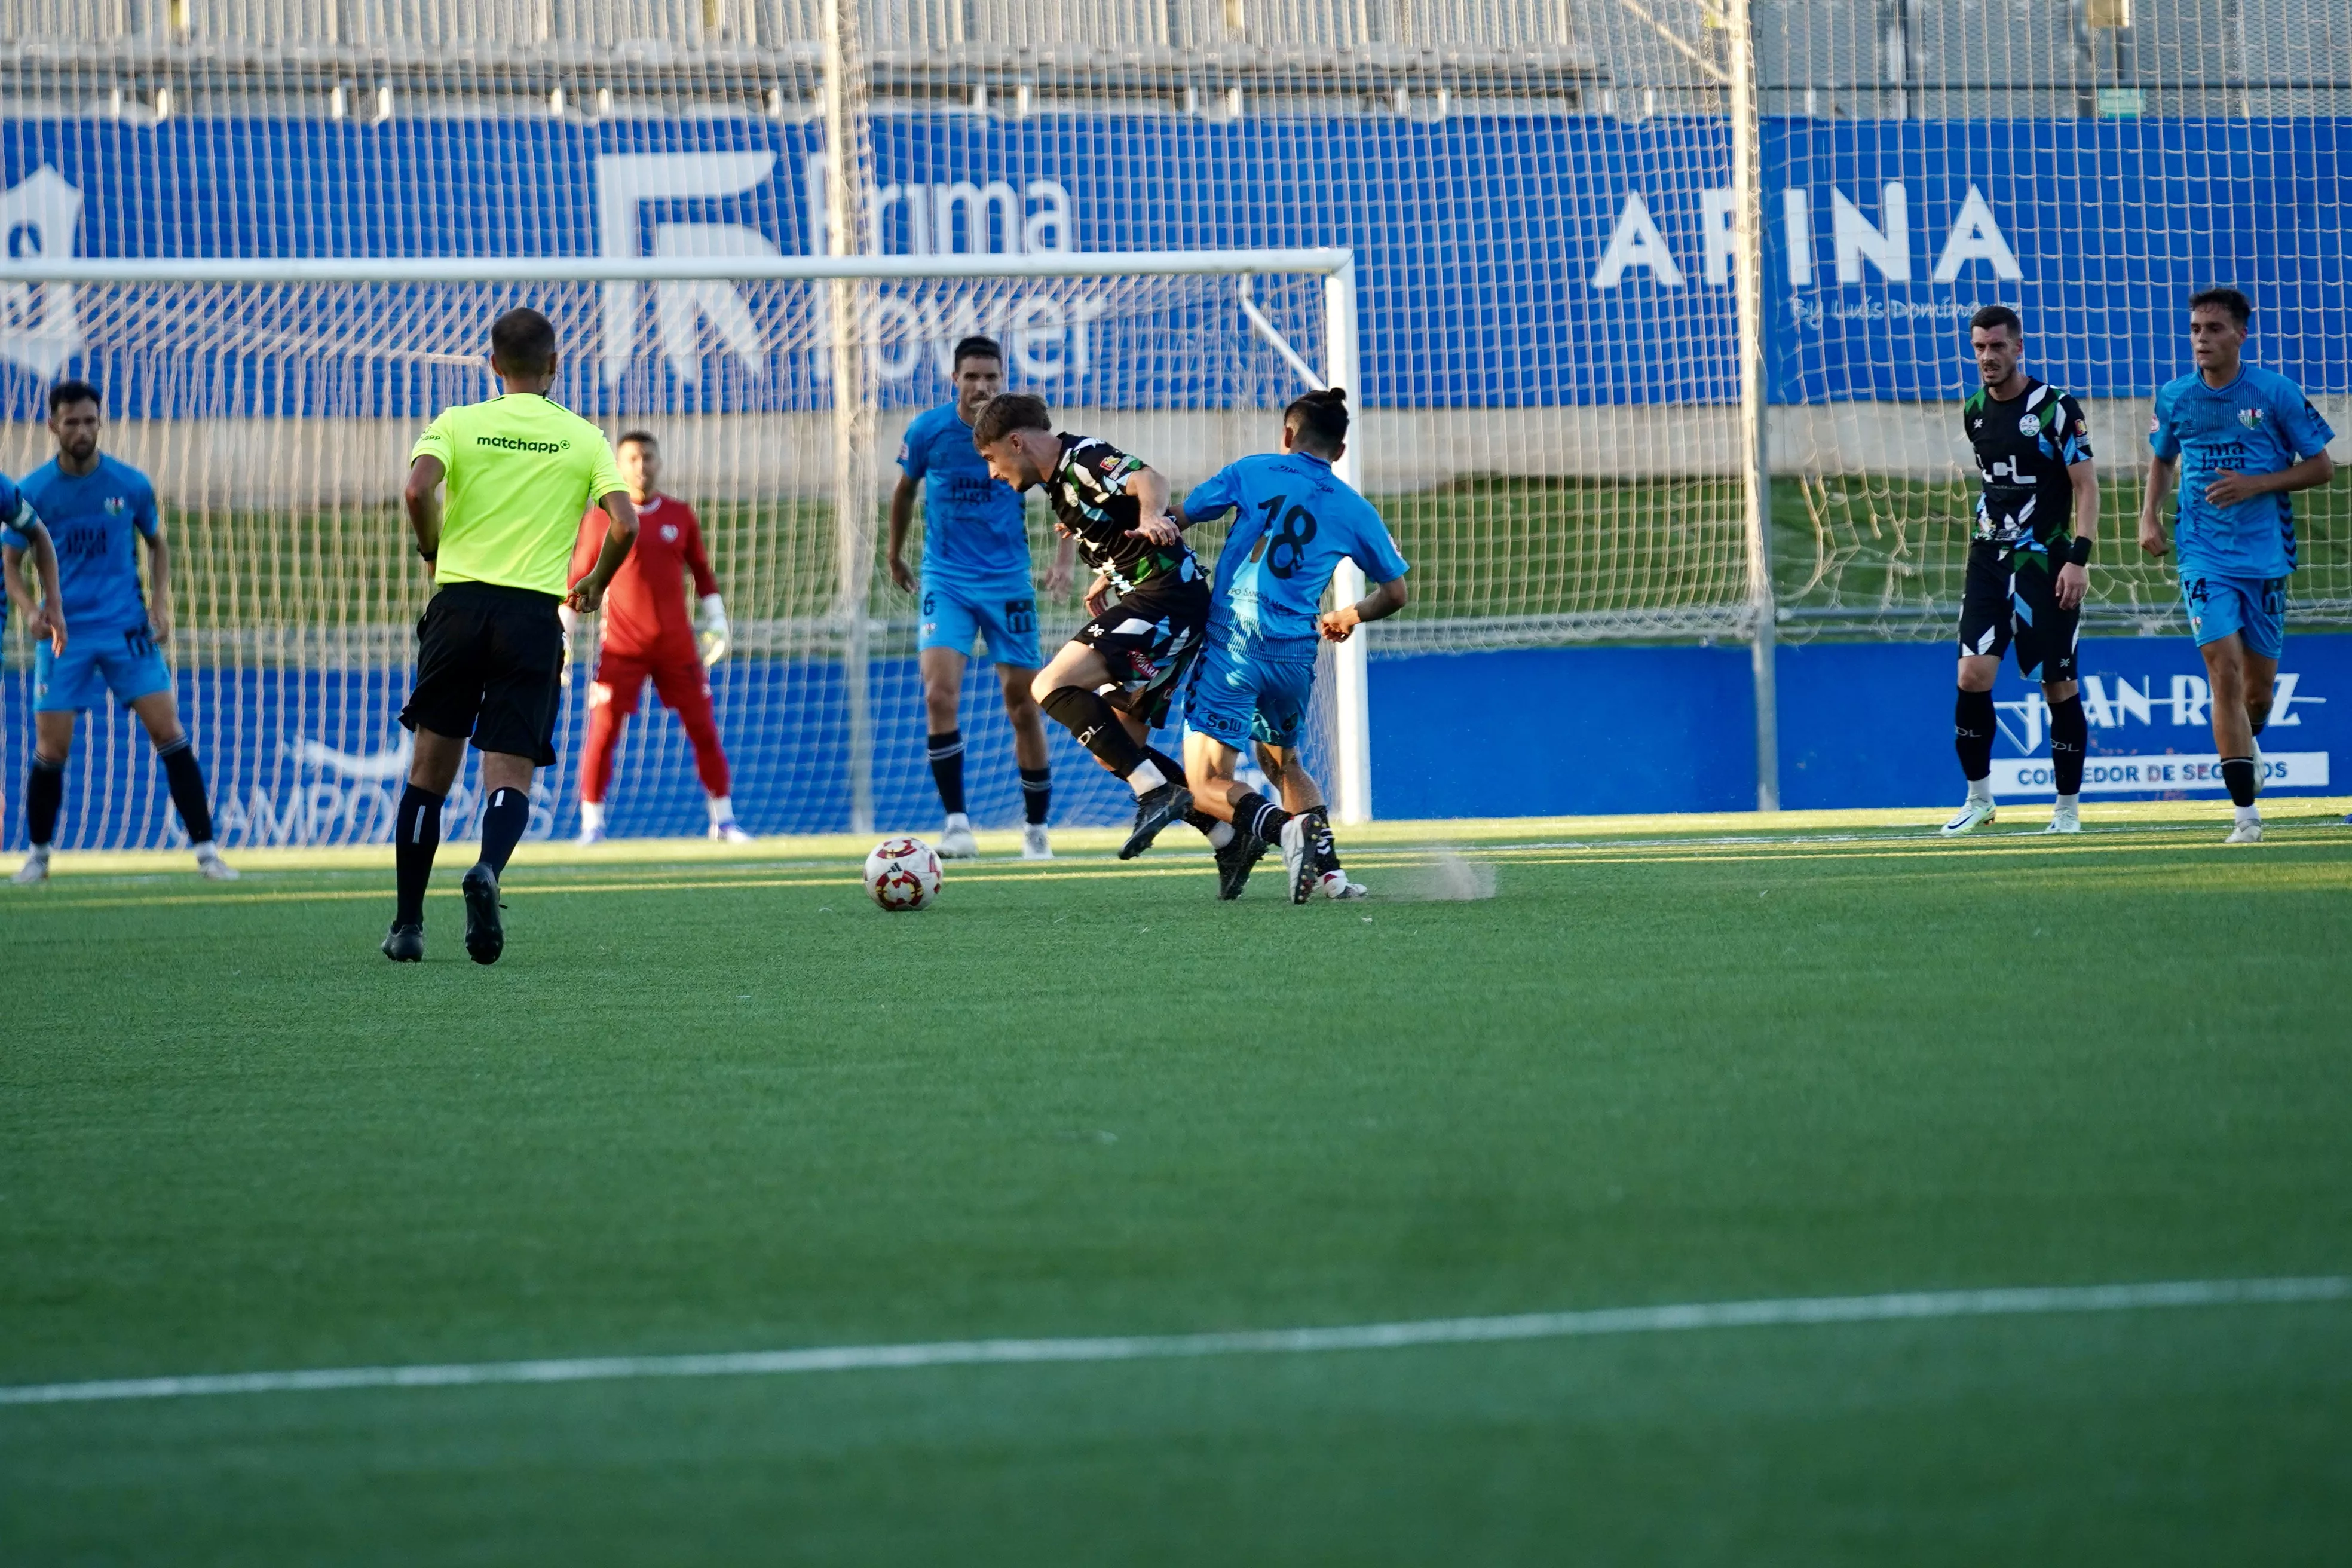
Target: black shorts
489 663
2013 595
1149 639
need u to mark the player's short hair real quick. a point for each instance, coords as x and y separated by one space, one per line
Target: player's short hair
975 348
523 341
1009 411
2001 317
2240 309
636 438
74 391
1320 418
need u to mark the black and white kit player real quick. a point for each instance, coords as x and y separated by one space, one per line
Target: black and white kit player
2029 563
1112 683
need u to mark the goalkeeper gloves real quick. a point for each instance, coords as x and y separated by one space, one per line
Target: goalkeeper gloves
716 637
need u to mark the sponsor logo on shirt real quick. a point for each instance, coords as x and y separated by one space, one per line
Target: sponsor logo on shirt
518 444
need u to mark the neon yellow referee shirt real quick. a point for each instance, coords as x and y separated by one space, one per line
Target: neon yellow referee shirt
521 471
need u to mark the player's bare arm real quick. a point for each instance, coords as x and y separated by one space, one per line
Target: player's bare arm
158 585
2074 577
421 496
45 616
2229 487
1148 485
2161 472
902 518
1385 600
1064 571
620 533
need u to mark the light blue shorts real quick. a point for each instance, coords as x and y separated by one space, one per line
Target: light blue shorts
1238 697
126 663
1006 613
2253 607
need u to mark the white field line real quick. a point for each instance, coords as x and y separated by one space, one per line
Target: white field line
1908 1306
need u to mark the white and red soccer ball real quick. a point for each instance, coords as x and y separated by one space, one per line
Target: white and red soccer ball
902 874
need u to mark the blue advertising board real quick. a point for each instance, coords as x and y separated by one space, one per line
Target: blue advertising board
1587 261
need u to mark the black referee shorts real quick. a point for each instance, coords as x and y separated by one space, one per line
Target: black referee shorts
488 664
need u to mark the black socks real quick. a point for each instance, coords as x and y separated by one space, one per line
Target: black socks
1036 794
1972 727
2070 734
2238 773
503 820
1258 816
946 768
186 777
45 792
1097 725
416 835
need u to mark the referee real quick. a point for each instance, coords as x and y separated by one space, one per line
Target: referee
521 470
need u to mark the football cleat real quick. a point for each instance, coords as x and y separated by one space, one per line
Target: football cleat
35 870
1236 860
2245 833
728 833
1035 843
956 842
212 868
1335 885
1154 810
1973 815
404 944
1298 860
2064 821
485 934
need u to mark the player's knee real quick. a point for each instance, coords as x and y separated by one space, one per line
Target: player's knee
1978 674
2056 691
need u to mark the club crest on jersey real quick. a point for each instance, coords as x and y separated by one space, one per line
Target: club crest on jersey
2251 418
115 506
2029 425
669 534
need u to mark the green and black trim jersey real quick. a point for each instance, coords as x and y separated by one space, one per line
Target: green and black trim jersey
2023 448
1087 491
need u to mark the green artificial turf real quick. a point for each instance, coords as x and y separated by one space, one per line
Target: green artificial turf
732 1106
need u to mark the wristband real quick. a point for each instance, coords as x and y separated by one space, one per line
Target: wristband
2079 551
432 554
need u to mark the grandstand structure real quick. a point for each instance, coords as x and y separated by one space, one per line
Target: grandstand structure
1611 392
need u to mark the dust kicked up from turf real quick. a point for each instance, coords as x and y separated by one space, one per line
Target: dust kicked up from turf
1444 877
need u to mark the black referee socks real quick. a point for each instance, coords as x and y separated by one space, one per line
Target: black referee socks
2070 734
503 820
416 835
1972 726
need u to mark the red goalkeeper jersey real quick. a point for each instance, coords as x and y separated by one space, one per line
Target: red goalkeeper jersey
647 615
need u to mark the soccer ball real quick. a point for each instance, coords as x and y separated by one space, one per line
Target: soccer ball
902 874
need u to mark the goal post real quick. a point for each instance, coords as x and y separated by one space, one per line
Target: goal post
222 362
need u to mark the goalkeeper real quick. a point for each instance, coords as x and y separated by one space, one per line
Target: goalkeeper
648 631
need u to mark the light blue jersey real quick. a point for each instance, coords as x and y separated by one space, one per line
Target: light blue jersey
2259 424
17 514
90 521
1297 520
973 530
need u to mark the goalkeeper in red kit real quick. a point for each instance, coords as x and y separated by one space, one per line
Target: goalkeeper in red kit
648 630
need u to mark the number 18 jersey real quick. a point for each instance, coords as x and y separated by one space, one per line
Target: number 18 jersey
1297 520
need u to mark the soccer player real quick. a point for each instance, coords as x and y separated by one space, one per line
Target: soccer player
2029 564
648 631
45 615
1137 646
521 469
94 506
976 579
1296 520
2241 439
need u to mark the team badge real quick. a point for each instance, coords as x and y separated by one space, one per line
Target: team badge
114 506
669 534
2251 418
2029 425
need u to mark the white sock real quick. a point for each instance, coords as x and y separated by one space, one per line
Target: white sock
722 810
2249 812
205 851
1221 834
2069 803
958 819
592 815
1146 778
1981 789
